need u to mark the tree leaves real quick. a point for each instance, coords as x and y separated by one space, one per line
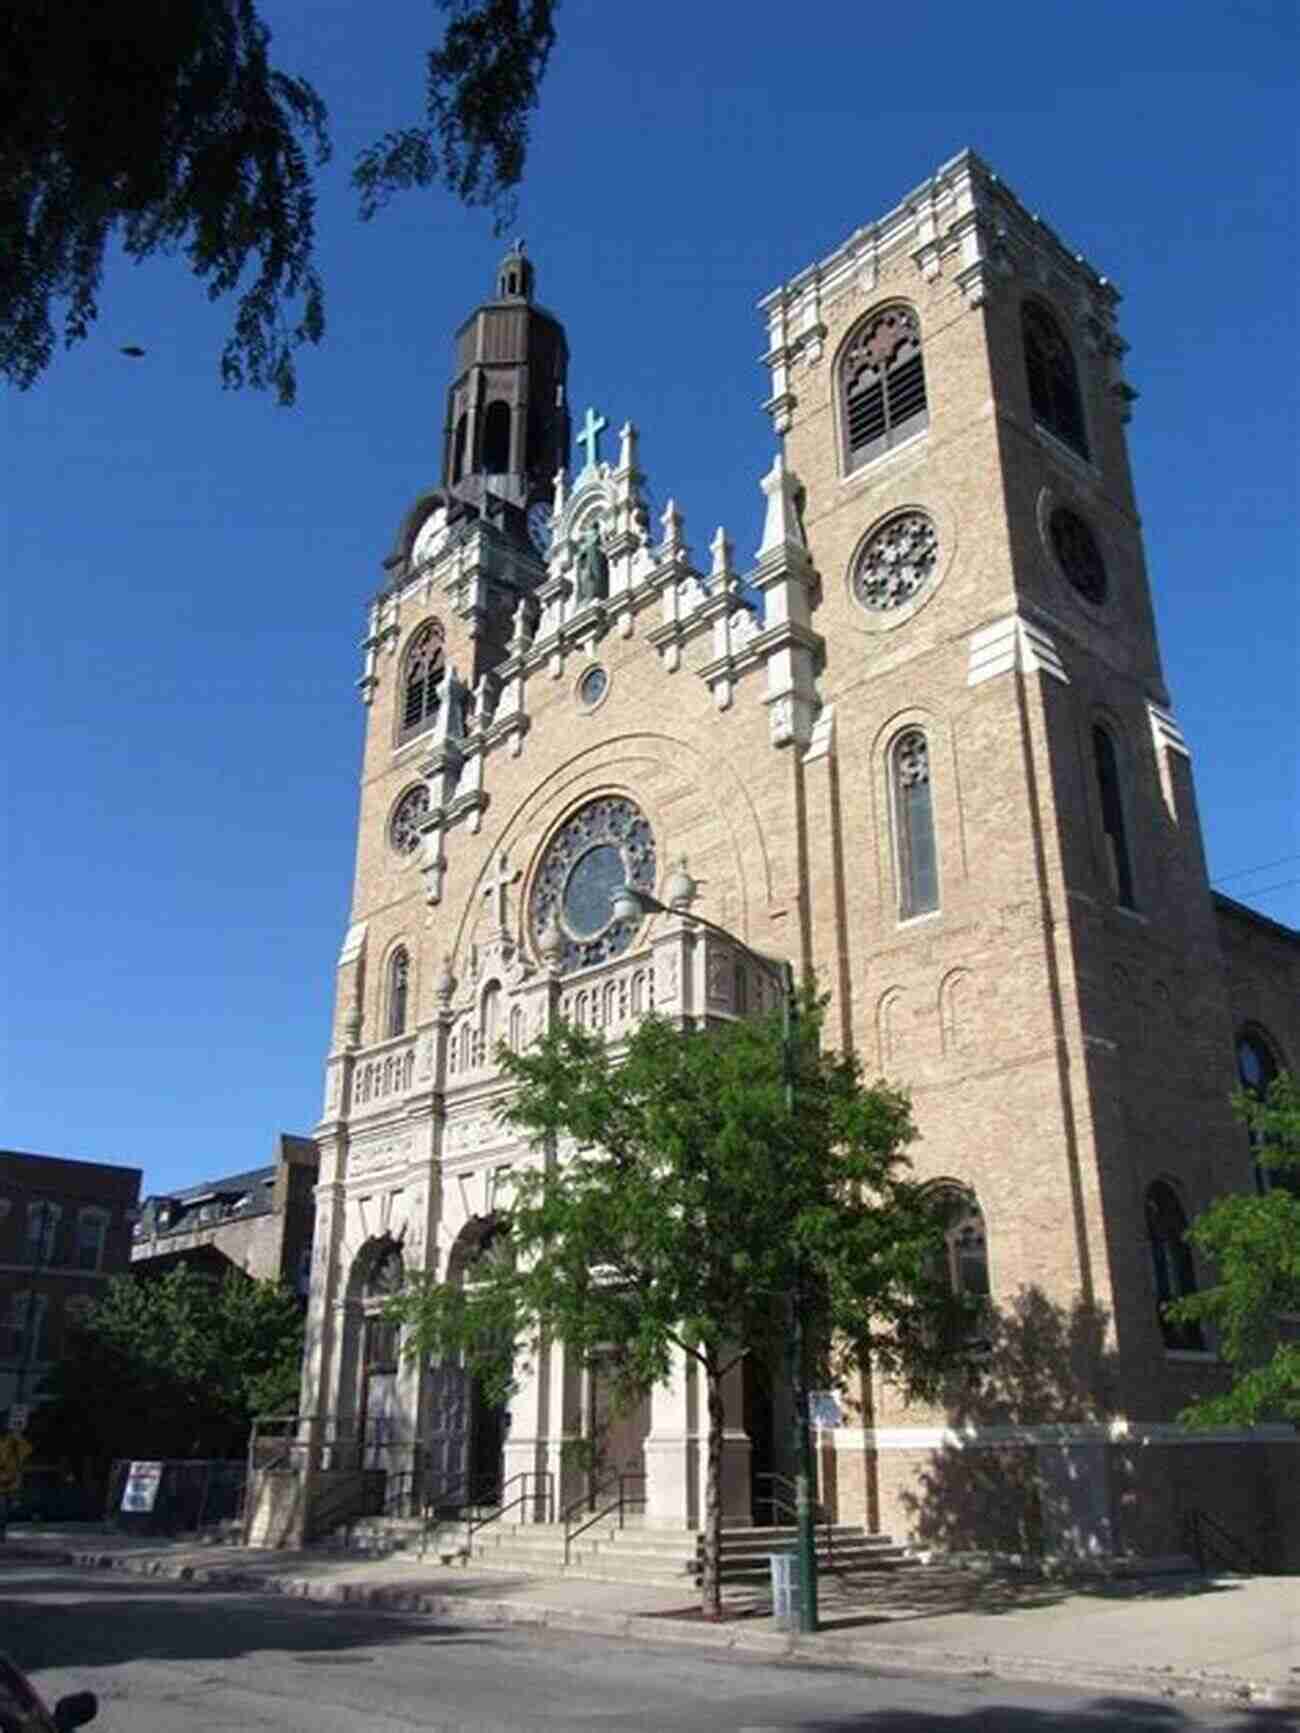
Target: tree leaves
174 1365
165 125
1255 1244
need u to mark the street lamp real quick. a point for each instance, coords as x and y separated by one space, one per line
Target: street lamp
629 904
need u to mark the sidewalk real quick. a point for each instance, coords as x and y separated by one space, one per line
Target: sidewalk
1224 1638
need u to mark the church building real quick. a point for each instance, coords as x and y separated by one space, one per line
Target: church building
917 745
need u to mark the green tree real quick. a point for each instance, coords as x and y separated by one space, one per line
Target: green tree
173 1365
165 123
677 1202
1254 1242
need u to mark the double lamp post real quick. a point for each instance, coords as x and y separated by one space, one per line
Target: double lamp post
630 904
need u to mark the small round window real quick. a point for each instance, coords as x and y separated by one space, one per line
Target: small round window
593 686
404 826
898 562
1079 557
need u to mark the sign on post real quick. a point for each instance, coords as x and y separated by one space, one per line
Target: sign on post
824 1408
142 1482
19 1414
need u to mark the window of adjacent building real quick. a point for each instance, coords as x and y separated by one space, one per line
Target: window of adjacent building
422 673
27 1326
1171 1264
42 1227
882 385
92 1232
918 861
399 981
1118 858
1054 394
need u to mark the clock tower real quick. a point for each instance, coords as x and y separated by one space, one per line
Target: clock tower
507 429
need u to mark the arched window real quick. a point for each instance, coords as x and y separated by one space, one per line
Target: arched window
1053 381
918 861
882 385
422 674
1118 859
965 1241
1171 1263
496 437
1257 1069
399 980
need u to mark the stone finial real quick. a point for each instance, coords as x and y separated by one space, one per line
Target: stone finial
783 525
550 944
445 986
672 521
680 890
561 491
721 571
522 636
627 439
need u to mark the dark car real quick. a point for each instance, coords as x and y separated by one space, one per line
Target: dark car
22 1710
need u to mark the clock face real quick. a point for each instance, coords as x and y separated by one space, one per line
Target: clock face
430 537
539 526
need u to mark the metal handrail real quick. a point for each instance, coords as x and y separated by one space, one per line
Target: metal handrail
541 1476
1196 1524
619 1504
820 1512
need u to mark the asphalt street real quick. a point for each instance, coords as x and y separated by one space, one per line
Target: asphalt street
165 1656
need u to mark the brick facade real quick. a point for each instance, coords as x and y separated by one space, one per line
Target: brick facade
1065 1015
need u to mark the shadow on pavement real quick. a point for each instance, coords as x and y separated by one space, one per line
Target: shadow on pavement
46 1621
1114 1714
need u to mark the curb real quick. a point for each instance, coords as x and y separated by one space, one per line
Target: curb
825 1649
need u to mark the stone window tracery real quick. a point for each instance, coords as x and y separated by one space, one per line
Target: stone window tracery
399 981
606 844
1054 395
913 808
897 562
422 675
404 826
882 385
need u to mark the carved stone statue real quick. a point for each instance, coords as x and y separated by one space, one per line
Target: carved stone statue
592 567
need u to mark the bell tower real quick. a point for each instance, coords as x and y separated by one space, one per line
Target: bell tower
507 429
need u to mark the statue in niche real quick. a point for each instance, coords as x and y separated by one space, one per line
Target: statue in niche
592 567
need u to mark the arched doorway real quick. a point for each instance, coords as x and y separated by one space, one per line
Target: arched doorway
465 1434
378 1420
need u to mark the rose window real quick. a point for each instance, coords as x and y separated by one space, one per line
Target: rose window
404 827
1076 548
604 846
897 562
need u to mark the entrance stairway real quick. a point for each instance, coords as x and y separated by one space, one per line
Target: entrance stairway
608 1553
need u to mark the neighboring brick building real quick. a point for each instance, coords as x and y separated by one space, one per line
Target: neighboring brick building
938 768
65 1228
259 1222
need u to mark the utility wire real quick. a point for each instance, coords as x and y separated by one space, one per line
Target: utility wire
1267 867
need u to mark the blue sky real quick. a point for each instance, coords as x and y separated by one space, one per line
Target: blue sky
188 567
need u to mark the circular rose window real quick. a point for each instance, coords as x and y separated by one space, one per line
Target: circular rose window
1080 559
897 562
404 826
604 846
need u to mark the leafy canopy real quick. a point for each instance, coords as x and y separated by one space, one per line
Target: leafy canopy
173 1365
165 125
676 1202
1255 1243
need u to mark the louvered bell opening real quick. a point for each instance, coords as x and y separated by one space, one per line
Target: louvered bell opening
413 714
906 395
866 417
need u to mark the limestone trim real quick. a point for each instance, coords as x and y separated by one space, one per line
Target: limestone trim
1010 645
1165 732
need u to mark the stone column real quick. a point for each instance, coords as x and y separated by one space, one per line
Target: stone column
673 1450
